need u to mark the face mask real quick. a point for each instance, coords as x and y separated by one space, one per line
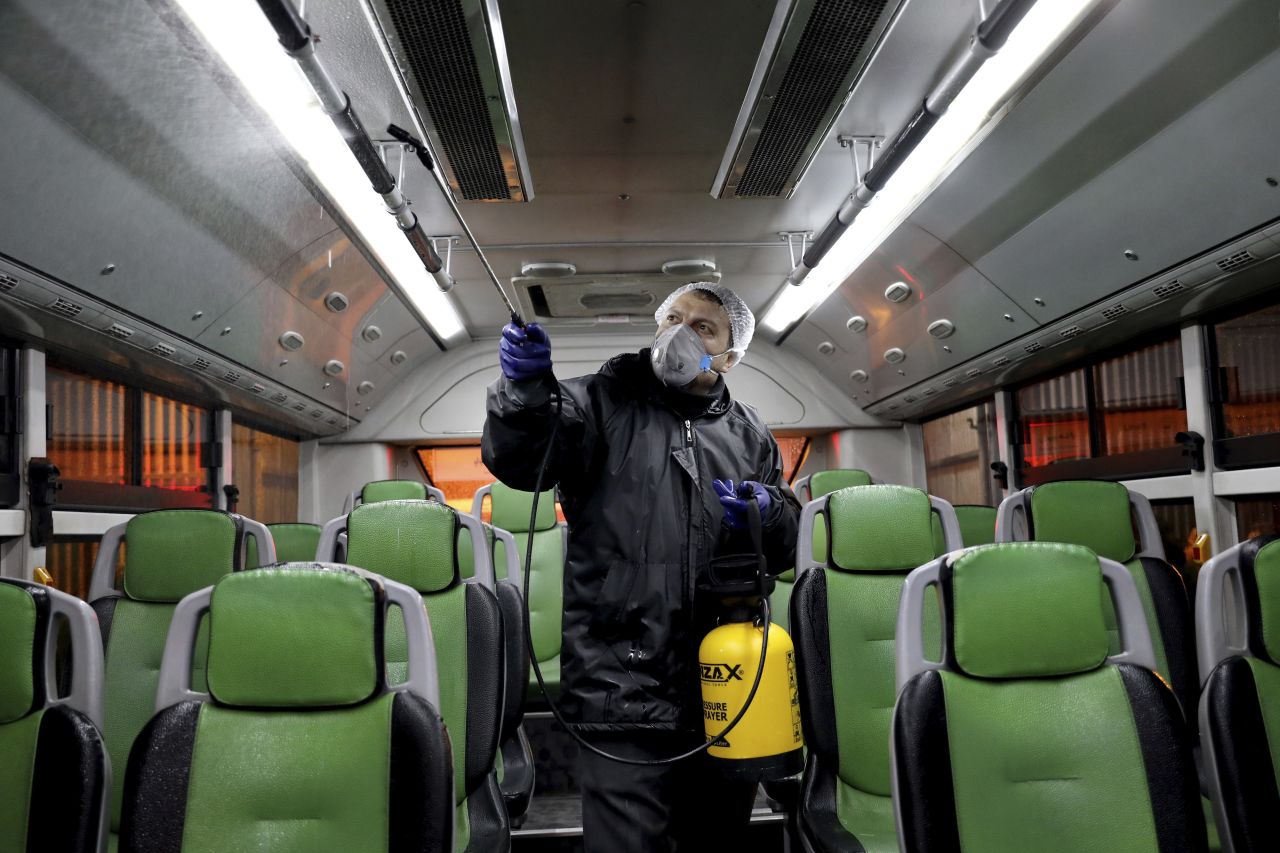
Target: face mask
678 356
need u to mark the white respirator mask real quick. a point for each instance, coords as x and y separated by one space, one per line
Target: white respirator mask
679 357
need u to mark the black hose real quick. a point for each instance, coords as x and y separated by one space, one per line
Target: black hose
766 616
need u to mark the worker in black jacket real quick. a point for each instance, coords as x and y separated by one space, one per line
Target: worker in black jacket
648 453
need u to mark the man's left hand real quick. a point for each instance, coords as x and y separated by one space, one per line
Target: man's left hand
735 508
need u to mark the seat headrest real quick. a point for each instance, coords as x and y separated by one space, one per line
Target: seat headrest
296 635
21 652
413 542
295 542
977 524
824 483
1264 609
393 490
512 507
1085 512
1026 609
171 553
880 528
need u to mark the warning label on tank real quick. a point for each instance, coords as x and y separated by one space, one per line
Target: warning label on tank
721 673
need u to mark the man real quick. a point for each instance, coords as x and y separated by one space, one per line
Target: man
646 456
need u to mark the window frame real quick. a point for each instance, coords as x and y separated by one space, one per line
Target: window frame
1141 464
1245 451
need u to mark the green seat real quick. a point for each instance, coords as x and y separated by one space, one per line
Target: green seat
54 776
1026 733
511 509
977 527
295 543
810 488
394 490
168 554
1240 703
1101 516
414 542
844 612
298 743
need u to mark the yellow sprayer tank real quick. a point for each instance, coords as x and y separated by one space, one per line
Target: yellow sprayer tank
767 742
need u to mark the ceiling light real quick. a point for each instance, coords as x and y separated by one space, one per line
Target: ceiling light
548 270
689 268
939 152
240 34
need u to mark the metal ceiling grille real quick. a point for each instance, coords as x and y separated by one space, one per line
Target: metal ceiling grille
818 58
436 44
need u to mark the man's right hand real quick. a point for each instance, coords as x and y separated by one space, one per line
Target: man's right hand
524 353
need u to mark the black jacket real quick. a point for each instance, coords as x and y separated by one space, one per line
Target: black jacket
634 463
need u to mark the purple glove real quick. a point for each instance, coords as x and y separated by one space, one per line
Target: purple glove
735 508
524 353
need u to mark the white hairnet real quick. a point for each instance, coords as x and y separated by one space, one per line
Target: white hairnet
742 323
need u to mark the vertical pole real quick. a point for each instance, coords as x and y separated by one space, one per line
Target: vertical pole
223 475
21 559
1214 515
1005 450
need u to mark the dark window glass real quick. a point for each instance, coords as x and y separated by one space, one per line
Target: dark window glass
1054 419
1257 515
958 451
458 472
173 435
794 450
1139 399
1178 533
1248 354
69 561
92 436
265 469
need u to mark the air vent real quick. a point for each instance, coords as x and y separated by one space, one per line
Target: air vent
893 407
257 388
1070 332
334 422
1239 260
1000 361
65 307
1173 288
317 414
302 407
621 303
814 53
119 332
201 364
164 350
973 372
7 283
1114 312
928 392
453 58
232 376
949 382
279 399
1034 347
907 399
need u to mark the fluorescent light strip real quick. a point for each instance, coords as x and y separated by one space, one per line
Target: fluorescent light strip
1042 28
240 34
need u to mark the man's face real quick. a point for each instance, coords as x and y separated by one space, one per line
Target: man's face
709 319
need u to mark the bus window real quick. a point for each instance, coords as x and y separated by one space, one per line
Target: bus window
265 469
958 451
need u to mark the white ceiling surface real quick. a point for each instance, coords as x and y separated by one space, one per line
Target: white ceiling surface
448 401
1154 134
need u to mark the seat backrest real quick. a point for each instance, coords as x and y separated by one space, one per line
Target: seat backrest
843 613
820 485
1238 640
1025 733
393 490
167 555
414 542
1102 516
977 527
295 543
298 743
511 509
54 776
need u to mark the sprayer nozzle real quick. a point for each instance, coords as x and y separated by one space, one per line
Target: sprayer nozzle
517 320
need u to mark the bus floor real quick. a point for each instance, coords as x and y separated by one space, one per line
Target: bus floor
553 823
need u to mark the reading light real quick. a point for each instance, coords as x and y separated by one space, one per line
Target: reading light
241 36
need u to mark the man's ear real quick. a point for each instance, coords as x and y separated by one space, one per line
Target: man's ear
729 361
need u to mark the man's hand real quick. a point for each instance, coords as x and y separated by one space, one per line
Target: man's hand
524 353
735 508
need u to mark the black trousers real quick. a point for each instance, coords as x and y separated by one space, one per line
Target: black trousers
688 806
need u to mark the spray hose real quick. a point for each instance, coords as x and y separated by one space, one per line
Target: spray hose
754 522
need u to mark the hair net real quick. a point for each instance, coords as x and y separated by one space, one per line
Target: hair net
742 323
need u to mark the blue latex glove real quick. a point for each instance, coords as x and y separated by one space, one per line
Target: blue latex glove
735 508
524 353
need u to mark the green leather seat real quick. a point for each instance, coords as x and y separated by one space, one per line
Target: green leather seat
54 776
299 743
511 509
843 612
806 489
1101 516
393 490
414 542
168 554
1240 702
1027 734
295 543
977 527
